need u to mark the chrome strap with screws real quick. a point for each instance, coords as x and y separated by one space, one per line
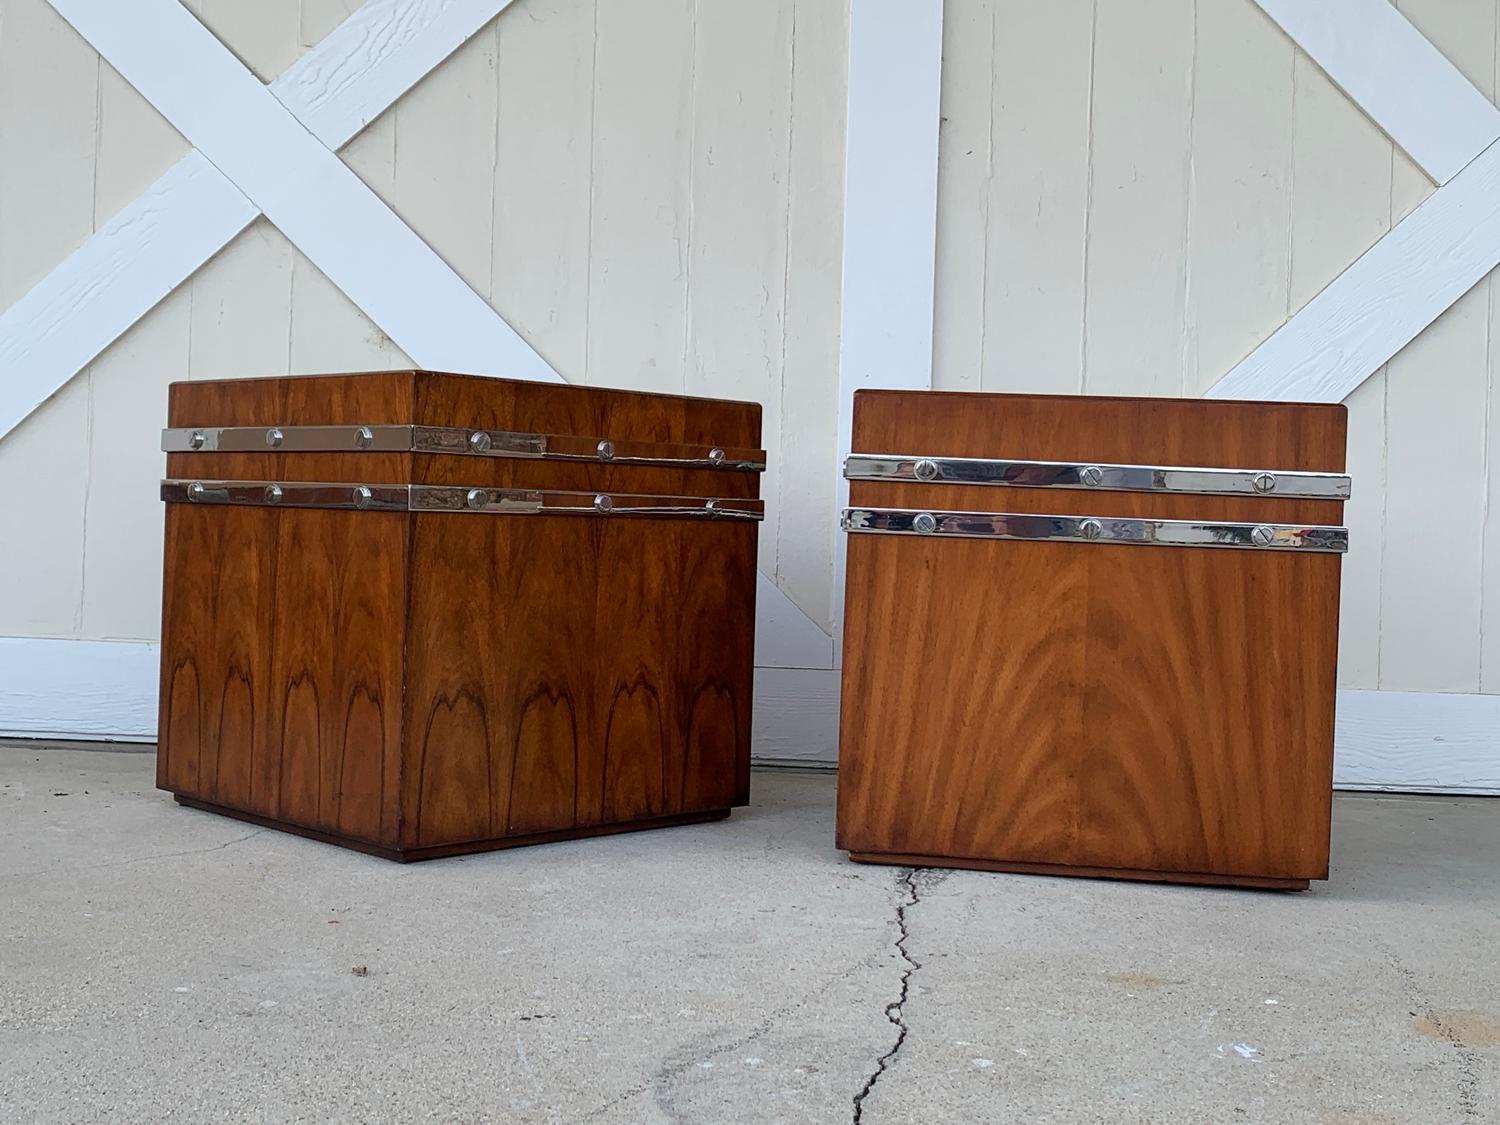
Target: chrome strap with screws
1104 478
1096 529
452 498
454 440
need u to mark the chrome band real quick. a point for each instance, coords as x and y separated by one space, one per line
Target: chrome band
454 440
1096 529
447 498
1104 478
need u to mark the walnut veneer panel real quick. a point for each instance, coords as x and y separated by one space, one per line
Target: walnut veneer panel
1104 709
418 684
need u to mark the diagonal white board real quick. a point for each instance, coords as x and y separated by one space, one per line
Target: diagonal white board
1396 76
1378 305
301 185
192 212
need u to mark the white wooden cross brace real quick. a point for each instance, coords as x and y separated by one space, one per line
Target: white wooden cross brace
273 151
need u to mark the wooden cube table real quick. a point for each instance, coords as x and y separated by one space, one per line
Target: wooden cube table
420 614
1092 636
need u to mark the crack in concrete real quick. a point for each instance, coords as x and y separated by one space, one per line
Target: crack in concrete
895 1011
136 859
1467 1095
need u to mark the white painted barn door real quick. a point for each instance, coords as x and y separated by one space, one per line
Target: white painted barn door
1175 197
625 183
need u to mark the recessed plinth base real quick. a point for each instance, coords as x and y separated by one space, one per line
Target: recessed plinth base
407 855
1251 882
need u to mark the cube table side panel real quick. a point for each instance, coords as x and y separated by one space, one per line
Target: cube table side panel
571 673
1105 709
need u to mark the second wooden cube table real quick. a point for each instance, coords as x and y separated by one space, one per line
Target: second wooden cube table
419 614
1092 636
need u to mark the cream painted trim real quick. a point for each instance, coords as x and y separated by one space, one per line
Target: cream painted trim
1396 76
78 689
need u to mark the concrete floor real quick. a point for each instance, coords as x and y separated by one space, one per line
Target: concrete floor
161 964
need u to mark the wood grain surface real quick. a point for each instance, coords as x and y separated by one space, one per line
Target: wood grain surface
424 684
1097 706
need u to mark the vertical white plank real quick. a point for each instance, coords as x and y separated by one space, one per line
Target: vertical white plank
1341 205
965 168
1138 215
1341 177
445 159
1038 202
1361 602
890 209
639 261
737 215
1435 418
121 548
1238 244
1489 590
123 517
1489 578
41 565
539 272
1435 423
240 318
48 137
809 385
48 120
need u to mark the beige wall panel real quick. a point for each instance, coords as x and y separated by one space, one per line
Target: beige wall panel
48 112
643 86
123 528
1435 485
41 569
1239 243
1489 594
1341 206
135 146
809 387
1038 200
445 159
966 167
1436 416
240 316
1138 213
539 265
1350 185
737 217
266 35
318 17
